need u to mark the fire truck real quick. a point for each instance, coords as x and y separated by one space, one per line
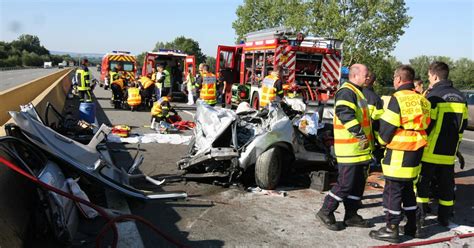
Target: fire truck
110 60
175 61
311 65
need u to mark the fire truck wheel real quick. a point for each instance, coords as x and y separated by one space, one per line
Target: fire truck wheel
268 168
255 101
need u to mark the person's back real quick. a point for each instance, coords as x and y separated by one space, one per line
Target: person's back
134 99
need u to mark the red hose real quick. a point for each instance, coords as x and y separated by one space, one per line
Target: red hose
99 209
310 91
426 242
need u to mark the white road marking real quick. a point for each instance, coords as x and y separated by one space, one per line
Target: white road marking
470 140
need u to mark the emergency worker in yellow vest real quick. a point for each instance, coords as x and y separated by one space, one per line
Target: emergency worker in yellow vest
164 80
83 79
403 131
117 85
448 121
208 86
161 109
272 87
134 98
375 105
148 90
353 142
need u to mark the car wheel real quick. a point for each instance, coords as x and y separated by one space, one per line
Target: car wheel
268 168
255 101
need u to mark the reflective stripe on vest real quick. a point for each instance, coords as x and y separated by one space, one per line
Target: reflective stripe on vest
412 121
396 170
134 98
346 146
84 78
268 90
438 114
208 90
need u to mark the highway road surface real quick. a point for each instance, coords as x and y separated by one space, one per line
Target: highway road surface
10 79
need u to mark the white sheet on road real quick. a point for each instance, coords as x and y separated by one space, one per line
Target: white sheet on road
175 139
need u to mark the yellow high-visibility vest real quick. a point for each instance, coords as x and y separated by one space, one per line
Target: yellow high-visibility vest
346 145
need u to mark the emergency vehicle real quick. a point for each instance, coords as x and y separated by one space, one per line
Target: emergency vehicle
110 60
175 61
311 65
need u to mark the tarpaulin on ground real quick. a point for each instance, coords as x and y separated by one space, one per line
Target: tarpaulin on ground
175 139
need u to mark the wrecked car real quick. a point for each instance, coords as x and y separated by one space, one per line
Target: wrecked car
91 161
227 143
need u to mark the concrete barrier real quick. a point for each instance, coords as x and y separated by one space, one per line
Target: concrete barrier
16 191
32 91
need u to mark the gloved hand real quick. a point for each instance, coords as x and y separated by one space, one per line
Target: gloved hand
363 142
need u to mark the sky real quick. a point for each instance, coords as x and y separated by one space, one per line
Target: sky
443 28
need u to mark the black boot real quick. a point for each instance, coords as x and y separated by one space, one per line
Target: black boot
444 213
413 225
356 220
388 233
329 221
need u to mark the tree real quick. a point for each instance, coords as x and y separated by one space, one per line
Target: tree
462 73
140 59
461 70
369 29
211 61
187 45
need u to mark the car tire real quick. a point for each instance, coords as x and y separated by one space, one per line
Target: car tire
255 101
268 168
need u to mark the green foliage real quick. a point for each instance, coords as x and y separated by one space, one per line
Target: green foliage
461 71
370 29
211 61
140 59
187 45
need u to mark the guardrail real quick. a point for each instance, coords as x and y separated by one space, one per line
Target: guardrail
19 68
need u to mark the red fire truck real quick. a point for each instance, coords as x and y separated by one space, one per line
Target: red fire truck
110 60
311 65
175 61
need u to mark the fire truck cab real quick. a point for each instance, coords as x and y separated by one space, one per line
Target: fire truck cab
311 65
110 60
176 62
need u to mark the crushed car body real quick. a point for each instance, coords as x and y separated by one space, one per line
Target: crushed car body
227 143
91 160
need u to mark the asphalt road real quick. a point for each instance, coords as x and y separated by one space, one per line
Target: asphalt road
214 216
9 79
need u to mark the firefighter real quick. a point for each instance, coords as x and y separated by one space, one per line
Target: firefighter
133 96
402 130
117 86
197 80
375 105
353 142
83 79
272 87
148 90
161 110
449 119
164 79
207 85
